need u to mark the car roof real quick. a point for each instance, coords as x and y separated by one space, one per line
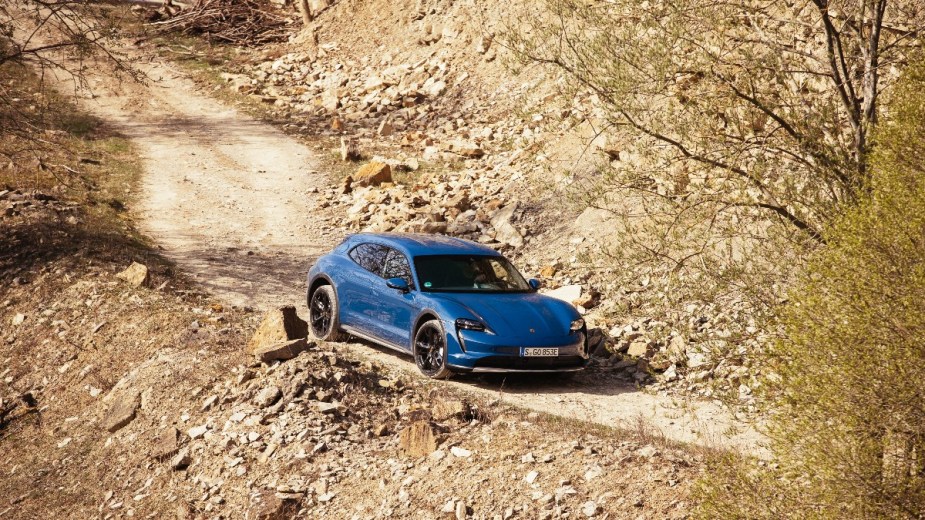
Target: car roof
417 244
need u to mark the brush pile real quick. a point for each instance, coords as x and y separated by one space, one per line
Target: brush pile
237 22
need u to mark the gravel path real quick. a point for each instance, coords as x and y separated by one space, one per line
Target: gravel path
230 199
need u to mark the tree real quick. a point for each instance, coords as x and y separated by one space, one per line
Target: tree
729 123
848 384
306 10
42 37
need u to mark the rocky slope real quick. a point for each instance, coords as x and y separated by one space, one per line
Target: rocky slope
126 392
136 397
426 129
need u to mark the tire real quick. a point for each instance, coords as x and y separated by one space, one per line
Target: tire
322 315
430 350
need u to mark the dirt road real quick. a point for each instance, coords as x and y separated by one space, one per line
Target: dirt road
232 202
228 198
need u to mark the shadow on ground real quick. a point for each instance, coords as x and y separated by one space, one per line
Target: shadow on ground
28 245
589 381
266 279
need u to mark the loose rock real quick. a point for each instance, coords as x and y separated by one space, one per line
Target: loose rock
449 409
136 275
373 174
505 232
181 460
418 439
282 351
278 326
267 505
121 412
167 444
590 508
268 396
460 452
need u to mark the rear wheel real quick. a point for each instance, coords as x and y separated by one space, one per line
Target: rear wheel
322 315
430 350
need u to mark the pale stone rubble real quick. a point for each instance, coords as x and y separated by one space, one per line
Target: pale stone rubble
321 435
427 155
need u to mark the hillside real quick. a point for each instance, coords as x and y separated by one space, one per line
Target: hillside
728 194
485 149
125 401
128 391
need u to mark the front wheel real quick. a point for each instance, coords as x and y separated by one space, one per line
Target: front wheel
322 314
430 350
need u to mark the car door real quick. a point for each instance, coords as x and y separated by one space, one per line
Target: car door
398 308
360 292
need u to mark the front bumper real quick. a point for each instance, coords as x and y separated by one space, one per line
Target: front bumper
491 370
481 352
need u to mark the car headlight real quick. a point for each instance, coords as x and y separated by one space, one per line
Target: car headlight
577 325
463 323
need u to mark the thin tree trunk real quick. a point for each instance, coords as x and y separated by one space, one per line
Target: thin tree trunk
306 10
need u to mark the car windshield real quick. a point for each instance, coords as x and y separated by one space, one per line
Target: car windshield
468 273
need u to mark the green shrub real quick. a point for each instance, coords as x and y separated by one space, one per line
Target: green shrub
848 383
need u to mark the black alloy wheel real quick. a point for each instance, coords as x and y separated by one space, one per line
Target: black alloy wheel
430 350
322 314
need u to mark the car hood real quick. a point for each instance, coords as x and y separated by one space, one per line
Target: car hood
517 314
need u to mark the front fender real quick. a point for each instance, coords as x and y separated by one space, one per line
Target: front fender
447 314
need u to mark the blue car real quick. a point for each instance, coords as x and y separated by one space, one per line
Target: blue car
454 305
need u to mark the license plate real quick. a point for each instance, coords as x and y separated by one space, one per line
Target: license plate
541 352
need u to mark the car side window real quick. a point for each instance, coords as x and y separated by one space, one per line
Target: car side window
370 257
397 266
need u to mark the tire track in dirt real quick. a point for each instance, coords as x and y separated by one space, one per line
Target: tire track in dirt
228 198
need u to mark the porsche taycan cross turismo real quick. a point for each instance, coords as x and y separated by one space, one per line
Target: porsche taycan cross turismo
454 305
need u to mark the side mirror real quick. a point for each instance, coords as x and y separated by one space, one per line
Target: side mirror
398 283
534 283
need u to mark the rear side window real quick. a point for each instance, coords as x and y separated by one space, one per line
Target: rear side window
370 257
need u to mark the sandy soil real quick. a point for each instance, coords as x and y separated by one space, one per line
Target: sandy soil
227 197
231 201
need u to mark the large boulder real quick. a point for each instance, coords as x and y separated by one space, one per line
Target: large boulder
278 326
373 173
282 351
505 232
